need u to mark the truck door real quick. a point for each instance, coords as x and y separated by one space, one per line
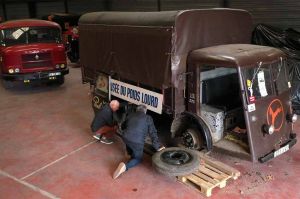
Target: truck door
192 89
267 104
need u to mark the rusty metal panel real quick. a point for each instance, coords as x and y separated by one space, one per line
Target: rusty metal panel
280 13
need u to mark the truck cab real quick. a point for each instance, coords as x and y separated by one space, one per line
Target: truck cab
31 50
242 93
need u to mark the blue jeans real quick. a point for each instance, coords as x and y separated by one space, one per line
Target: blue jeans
136 152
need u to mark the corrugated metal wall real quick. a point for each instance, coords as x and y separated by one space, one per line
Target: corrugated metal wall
279 13
1 14
81 6
153 5
188 4
17 11
45 8
134 5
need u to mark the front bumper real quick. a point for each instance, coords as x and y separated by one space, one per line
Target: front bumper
42 75
287 145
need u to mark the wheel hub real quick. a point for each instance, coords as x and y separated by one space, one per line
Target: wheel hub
176 157
188 140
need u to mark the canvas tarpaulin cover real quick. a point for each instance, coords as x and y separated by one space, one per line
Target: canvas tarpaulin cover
151 48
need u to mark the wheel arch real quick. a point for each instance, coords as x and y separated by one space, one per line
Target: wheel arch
185 120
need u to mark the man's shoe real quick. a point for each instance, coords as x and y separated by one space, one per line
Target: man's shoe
121 169
97 136
105 140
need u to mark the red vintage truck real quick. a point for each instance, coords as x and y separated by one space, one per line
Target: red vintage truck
31 50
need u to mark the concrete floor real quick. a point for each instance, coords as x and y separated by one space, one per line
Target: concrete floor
46 151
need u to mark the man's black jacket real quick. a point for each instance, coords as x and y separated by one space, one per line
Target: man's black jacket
137 126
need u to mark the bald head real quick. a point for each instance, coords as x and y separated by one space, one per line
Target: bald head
114 105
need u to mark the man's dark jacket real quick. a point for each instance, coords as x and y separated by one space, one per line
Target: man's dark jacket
138 125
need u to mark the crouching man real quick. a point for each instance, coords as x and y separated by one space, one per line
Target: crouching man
137 126
103 122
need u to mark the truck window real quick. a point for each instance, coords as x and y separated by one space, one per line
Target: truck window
258 82
220 88
28 35
280 76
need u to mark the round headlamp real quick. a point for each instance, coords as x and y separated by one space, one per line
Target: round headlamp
292 118
268 129
11 70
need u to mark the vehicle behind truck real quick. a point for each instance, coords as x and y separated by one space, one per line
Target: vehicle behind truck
69 25
31 50
197 71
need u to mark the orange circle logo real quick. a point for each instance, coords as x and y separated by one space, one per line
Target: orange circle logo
275 114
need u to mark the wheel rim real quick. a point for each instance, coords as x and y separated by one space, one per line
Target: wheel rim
176 157
189 140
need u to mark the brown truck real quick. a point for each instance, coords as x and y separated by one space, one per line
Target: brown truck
198 69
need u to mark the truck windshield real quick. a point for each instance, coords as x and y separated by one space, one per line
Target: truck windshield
280 76
28 35
258 82
261 80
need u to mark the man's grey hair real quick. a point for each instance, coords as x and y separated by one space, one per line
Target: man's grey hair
141 108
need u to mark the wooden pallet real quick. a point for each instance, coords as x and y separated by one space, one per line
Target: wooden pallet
211 174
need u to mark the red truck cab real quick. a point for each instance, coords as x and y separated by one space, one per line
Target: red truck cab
32 50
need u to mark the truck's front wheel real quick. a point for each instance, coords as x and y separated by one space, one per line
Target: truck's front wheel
192 138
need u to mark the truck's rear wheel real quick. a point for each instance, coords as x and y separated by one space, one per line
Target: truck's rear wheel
176 161
192 139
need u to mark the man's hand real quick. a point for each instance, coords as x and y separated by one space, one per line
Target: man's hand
161 148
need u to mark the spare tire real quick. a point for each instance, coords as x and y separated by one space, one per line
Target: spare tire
176 161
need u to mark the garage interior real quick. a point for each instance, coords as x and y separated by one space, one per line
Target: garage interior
46 144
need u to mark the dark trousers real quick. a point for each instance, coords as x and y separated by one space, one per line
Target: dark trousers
136 152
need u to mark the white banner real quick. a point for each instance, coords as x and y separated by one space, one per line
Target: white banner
136 95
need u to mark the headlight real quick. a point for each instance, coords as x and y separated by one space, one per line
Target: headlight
17 70
291 117
268 129
294 118
11 70
62 65
57 66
